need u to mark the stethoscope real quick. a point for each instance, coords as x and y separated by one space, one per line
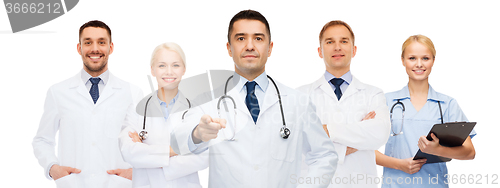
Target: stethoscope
284 131
403 116
144 133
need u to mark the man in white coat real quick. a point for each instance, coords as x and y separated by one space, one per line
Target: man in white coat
252 152
354 113
89 111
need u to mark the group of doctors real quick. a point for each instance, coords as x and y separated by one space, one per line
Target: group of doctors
259 133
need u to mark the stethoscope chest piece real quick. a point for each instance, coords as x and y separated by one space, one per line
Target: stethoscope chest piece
143 135
285 132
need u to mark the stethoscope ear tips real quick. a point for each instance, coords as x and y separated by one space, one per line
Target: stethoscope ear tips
285 132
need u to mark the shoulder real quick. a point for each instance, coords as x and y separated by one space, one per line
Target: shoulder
367 87
306 89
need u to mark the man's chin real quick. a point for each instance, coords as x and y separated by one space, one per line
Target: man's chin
95 68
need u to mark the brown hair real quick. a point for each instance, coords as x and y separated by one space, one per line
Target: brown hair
95 23
335 23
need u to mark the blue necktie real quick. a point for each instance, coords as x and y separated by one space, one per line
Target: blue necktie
337 82
94 90
251 101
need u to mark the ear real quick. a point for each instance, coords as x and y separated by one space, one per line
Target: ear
152 72
403 61
354 51
111 48
320 53
79 48
228 46
270 49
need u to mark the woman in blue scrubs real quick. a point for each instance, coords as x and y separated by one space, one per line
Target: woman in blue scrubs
422 110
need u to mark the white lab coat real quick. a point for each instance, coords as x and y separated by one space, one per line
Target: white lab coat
150 159
343 120
259 156
88 132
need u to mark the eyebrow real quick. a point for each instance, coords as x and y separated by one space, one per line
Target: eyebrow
343 38
102 38
243 34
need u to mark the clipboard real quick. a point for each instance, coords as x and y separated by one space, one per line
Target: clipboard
450 135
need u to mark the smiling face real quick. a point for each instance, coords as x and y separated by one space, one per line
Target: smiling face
168 68
337 48
95 47
418 61
249 47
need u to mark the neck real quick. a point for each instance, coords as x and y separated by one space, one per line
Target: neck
95 73
250 76
420 88
167 95
338 72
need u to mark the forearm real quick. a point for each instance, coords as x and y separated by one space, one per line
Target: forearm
141 155
464 152
386 161
365 135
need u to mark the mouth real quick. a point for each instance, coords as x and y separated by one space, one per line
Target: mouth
249 56
420 71
338 56
169 80
95 57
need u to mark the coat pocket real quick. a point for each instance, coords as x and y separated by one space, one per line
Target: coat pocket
68 181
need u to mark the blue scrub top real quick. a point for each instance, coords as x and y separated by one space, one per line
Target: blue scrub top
417 124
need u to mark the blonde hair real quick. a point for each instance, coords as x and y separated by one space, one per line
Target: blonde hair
426 41
169 46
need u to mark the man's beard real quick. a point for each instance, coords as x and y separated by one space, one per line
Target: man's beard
96 69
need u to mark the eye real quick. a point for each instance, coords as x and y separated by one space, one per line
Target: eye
259 38
425 58
176 65
240 38
411 58
161 66
86 43
344 41
329 42
102 42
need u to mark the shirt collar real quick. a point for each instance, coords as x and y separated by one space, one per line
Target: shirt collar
262 81
405 94
347 77
171 103
104 77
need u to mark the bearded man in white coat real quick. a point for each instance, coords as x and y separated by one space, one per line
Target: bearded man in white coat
355 114
89 111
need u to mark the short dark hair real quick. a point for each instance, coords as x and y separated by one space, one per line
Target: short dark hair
94 23
248 15
335 23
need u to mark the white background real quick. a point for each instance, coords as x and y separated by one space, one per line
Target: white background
465 33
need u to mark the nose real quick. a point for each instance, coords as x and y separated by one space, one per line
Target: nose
419 63
94 48
169 70
249 46
336 46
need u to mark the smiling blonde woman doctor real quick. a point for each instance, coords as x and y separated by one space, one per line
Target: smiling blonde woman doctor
154 163
424 107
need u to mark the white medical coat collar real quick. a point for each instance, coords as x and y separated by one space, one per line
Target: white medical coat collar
156 111
110 88
353 88
270 97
